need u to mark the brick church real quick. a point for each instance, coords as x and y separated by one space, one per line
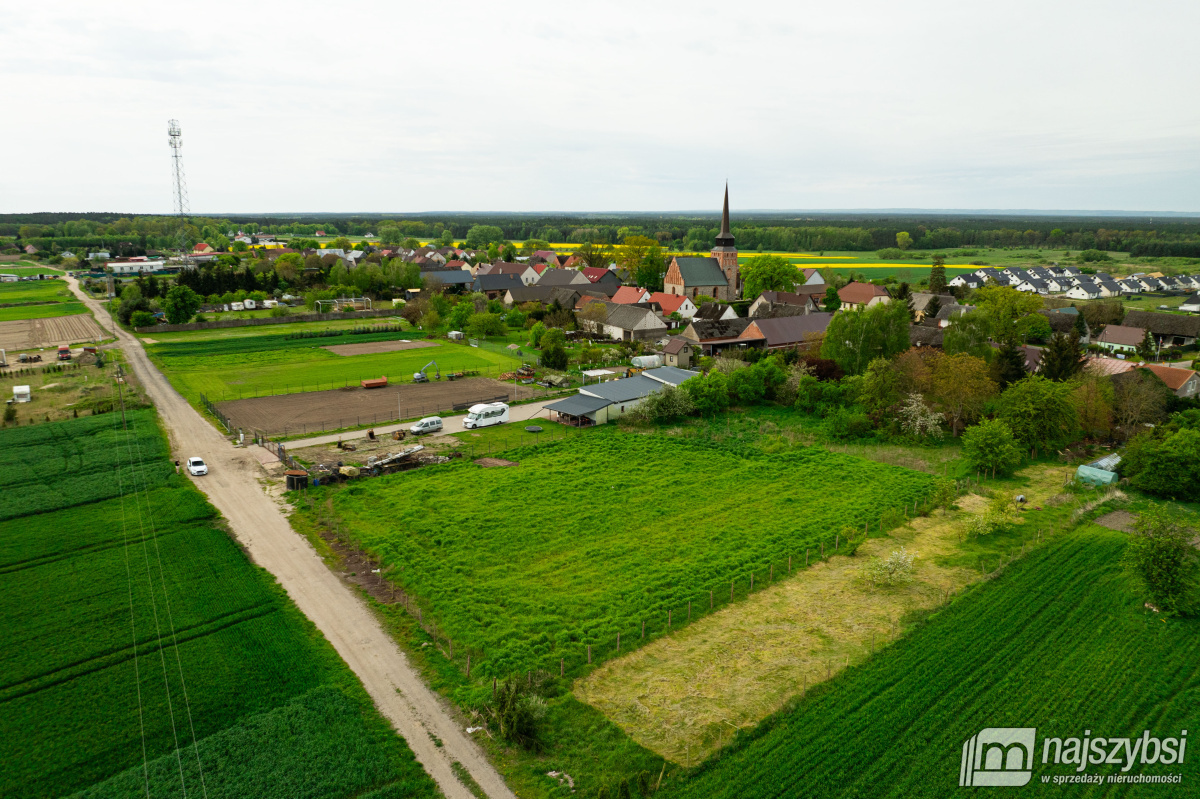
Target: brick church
716 276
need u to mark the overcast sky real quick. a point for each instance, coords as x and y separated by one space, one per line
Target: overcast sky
638 106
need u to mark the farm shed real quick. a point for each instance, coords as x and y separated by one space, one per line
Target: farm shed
670 375
621 396
579 410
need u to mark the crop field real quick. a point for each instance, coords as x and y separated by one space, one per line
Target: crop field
1060 642
234 368
282 329
592 536
40 300
138 642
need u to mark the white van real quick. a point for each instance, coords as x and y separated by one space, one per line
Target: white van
486 415
430 424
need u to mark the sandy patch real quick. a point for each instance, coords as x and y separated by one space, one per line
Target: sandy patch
375 347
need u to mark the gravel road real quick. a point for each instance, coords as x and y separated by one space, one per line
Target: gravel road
232 485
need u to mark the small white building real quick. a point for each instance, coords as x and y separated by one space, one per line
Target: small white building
22 394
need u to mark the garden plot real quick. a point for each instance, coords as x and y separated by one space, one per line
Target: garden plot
373 347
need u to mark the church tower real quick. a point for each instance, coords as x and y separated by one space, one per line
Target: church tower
726 254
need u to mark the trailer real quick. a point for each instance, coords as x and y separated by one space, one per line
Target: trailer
378 382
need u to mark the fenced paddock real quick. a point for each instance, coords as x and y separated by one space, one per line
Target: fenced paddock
316 411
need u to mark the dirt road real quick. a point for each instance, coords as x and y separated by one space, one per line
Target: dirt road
232 486
532 413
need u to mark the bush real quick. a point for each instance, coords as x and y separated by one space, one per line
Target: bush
1093 256
670 403
990 445
1167 466
277 311
844 423
896 568
141 319
554 356
1162 555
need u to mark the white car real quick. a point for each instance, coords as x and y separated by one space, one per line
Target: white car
196 467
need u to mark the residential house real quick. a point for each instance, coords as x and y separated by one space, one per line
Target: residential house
921 300
1109 288
526 273
631 323
562 277
1191 304
1184 382
1121 338
451 280
786 331
1084 291
495 286
1169 330
1130 286
1106 366
713 311
600 276
783 303
948 313
967 281
203 248
522 294
1062 320
678 352
673 303
630 295
862 295
925 336
713 336
812 277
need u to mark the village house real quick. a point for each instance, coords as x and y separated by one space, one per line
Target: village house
563 277
1183 382
783 303
631 323
921 300
495 286
1168 330
1062 320
599 276
714 336
673 303
1121 338
630 295
678 352
862 295
786 331
713 311
717 276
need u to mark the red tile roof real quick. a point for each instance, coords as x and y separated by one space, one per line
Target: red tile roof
668 302
861 293
628 295
594 273
1174 378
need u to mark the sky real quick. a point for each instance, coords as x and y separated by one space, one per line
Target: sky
601 106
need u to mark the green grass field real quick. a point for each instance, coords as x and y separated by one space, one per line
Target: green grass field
52 298
137 640
273 364
282 329
25 268
627 529
1059 642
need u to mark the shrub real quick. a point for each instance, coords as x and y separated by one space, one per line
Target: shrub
670 403
844 423
894 569
991 446
141 319
918 420
1163 556
1168 466
554 356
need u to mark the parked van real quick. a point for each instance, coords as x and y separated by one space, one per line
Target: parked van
486 415
430 424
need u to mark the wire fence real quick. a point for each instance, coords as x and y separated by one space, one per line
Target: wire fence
220 417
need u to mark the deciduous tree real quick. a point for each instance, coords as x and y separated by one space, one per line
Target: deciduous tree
769 273
991 445
1162 554
1039 412
961 387
855 338
181 304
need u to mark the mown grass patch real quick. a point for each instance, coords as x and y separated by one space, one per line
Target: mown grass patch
1060 642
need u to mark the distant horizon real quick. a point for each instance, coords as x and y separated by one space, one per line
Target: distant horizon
734 213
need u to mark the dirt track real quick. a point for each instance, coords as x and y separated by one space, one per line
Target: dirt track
314 411
259 524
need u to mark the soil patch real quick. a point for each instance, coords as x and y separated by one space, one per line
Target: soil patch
1121 520
28 334
374 347
315 411
489 463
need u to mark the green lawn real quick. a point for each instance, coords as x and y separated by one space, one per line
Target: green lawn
281 329
111 610
39 291
630 528
273 364
24 268
42 311
1060 642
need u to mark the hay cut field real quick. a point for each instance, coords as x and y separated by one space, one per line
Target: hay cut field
586 539
1059 642
143 654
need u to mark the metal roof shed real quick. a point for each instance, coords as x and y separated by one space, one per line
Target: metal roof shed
578 405
629 388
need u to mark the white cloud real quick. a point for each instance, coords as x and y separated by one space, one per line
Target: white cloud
604 106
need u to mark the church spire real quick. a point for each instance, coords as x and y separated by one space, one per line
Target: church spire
725 238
